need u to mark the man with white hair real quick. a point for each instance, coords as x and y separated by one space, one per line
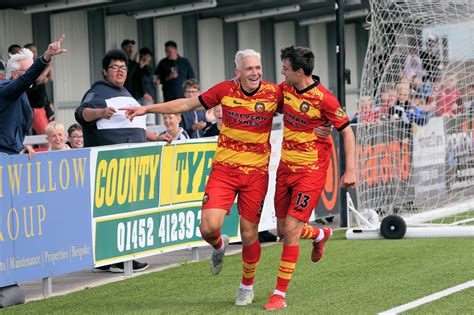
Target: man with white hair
16 115
241 160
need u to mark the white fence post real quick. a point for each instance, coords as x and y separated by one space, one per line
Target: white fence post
47 286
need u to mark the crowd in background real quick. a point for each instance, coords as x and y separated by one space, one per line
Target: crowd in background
422 88
128 80
173 73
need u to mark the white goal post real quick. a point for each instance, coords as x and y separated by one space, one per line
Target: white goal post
416 158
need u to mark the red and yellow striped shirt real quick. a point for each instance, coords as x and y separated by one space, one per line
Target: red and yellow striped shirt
247 118
302 150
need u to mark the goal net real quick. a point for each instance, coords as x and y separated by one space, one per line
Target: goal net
414 133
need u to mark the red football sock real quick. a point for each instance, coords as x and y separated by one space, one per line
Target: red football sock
214 240
289 256
309 232
250 258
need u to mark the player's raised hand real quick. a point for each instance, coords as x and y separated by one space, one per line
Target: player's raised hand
131 112
54 48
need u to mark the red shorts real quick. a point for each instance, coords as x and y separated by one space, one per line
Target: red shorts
225 183
297 194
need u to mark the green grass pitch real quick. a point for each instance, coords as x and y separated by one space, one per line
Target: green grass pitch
354 277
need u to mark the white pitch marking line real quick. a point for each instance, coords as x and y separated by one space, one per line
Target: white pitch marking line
428 298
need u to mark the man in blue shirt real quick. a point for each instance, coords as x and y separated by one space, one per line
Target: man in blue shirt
16 114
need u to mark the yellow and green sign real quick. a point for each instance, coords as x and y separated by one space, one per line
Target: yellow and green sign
147 199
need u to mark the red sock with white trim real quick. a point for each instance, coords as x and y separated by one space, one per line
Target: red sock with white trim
250 257
289 256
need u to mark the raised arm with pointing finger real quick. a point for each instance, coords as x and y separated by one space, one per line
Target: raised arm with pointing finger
17 115
172 107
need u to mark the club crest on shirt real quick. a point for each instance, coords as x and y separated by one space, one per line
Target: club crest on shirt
259 107
205 199
340 113
304 107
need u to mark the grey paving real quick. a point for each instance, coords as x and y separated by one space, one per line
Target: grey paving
88 278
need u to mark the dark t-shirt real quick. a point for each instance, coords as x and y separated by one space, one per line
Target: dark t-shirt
133 82
146 75
431 64
173 88
37 95
212 131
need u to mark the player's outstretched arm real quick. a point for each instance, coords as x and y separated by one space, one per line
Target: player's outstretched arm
349 178
177 106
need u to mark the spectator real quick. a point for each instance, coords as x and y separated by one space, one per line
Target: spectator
215 128
195 121
103 125
403 79
146 91
146 57
365 114
172 71
387 100
446 97
17 115
38 98
47 74
399 110
74 136
405 113
419 90
413 65
14 49
171 122
56 136
133 83
431 60
3 74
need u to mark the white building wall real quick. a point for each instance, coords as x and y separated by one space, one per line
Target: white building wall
15 28
71 70
167 28
211 52
118 28
352 90
284 37
249 35
318 44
